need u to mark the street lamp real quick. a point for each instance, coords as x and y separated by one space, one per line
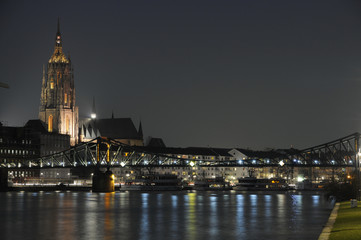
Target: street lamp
357 169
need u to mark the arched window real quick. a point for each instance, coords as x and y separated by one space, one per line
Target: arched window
50 123
65 98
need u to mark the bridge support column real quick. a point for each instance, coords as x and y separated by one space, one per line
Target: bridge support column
103 181
3 179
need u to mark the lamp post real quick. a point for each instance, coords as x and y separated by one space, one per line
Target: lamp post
357 169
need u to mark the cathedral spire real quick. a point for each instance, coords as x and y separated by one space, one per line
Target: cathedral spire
58 37
58 55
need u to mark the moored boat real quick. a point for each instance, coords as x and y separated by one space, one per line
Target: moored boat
261 184
165 182
212 184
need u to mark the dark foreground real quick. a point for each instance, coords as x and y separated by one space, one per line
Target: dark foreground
162 215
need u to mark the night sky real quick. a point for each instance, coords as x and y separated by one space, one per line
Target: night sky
244 74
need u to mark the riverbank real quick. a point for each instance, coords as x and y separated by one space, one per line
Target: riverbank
348 223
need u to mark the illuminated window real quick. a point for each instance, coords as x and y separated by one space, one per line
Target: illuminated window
65 98
52 84
50 123
67 124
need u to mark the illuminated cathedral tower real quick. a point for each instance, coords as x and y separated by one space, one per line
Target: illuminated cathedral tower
57 102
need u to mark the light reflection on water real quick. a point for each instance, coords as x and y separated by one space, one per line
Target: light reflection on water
316 200
213 219
144 224
267 204
161 215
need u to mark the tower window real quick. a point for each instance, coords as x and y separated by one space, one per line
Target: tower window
65 98
52 83
50 123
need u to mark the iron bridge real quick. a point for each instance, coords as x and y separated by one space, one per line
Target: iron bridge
104 152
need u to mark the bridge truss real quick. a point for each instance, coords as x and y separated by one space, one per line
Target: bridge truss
343 152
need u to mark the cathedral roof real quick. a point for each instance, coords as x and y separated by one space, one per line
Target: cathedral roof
116 128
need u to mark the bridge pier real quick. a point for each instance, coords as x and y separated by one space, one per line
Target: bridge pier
3 179
103 181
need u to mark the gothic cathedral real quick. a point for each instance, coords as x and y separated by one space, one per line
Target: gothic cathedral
57 103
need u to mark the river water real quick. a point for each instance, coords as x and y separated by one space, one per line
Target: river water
162 215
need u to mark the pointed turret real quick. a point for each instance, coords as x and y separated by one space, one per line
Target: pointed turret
43 80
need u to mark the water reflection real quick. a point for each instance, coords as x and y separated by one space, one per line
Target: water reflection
281 206
316 200
267 204
213 217
174 201
191 229
240 227
168 215
144 224
108 216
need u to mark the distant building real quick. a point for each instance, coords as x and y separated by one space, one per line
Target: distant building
57 102
20 144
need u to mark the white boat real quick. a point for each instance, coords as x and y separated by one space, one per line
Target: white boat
166 182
